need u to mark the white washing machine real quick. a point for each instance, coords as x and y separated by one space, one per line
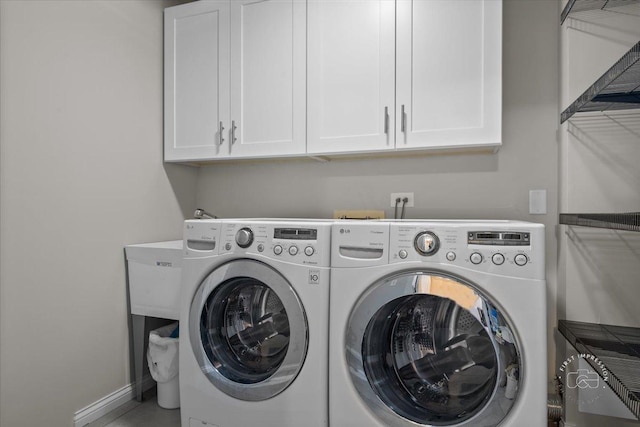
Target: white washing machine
254 328
438 323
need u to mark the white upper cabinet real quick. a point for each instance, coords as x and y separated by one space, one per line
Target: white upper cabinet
268 71
196 89
235 79
278 78
351 66
449 73
405 74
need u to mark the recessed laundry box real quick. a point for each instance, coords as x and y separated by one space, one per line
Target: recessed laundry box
154 278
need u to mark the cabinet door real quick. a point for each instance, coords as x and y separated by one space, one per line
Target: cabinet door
268 70
196 64
351 74
449 81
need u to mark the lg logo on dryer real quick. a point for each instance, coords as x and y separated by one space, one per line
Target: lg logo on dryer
348 231
314 277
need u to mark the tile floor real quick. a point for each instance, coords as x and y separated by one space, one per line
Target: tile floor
148 414
140 414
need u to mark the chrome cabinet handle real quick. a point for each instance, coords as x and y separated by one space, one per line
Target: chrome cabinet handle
403 120
220 130
233 132
386 120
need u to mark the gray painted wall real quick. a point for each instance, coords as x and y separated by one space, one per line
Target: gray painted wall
81 175
486 186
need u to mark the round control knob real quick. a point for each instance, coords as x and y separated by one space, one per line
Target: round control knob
498 259
451 256
475 258
277 249
308 251
293 250
520 259
244 237
426 243
403 254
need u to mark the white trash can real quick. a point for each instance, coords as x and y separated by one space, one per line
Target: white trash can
162 357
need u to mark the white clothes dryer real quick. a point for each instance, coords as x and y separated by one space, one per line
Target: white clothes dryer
438 323
254 329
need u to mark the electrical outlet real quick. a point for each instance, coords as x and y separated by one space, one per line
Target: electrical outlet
409 197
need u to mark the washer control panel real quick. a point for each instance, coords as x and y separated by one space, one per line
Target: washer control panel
300 243
426 243
244 237
201 238
504 247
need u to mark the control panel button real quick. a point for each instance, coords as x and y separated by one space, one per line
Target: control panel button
244 237
426 243
227 246
475 258
260 247
498 259
521 259
451 256
308 251
402 254
277 249
293 250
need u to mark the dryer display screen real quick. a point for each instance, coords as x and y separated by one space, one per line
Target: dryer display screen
500 238
295 233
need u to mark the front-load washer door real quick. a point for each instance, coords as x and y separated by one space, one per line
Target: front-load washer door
248 330
425 348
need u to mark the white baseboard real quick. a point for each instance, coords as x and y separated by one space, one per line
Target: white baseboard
109 403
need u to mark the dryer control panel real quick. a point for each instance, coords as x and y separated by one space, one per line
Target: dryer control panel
360 244
303 242
510 248
201 237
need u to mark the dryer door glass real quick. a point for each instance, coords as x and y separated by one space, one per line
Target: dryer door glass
248 330
433 351
245 329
